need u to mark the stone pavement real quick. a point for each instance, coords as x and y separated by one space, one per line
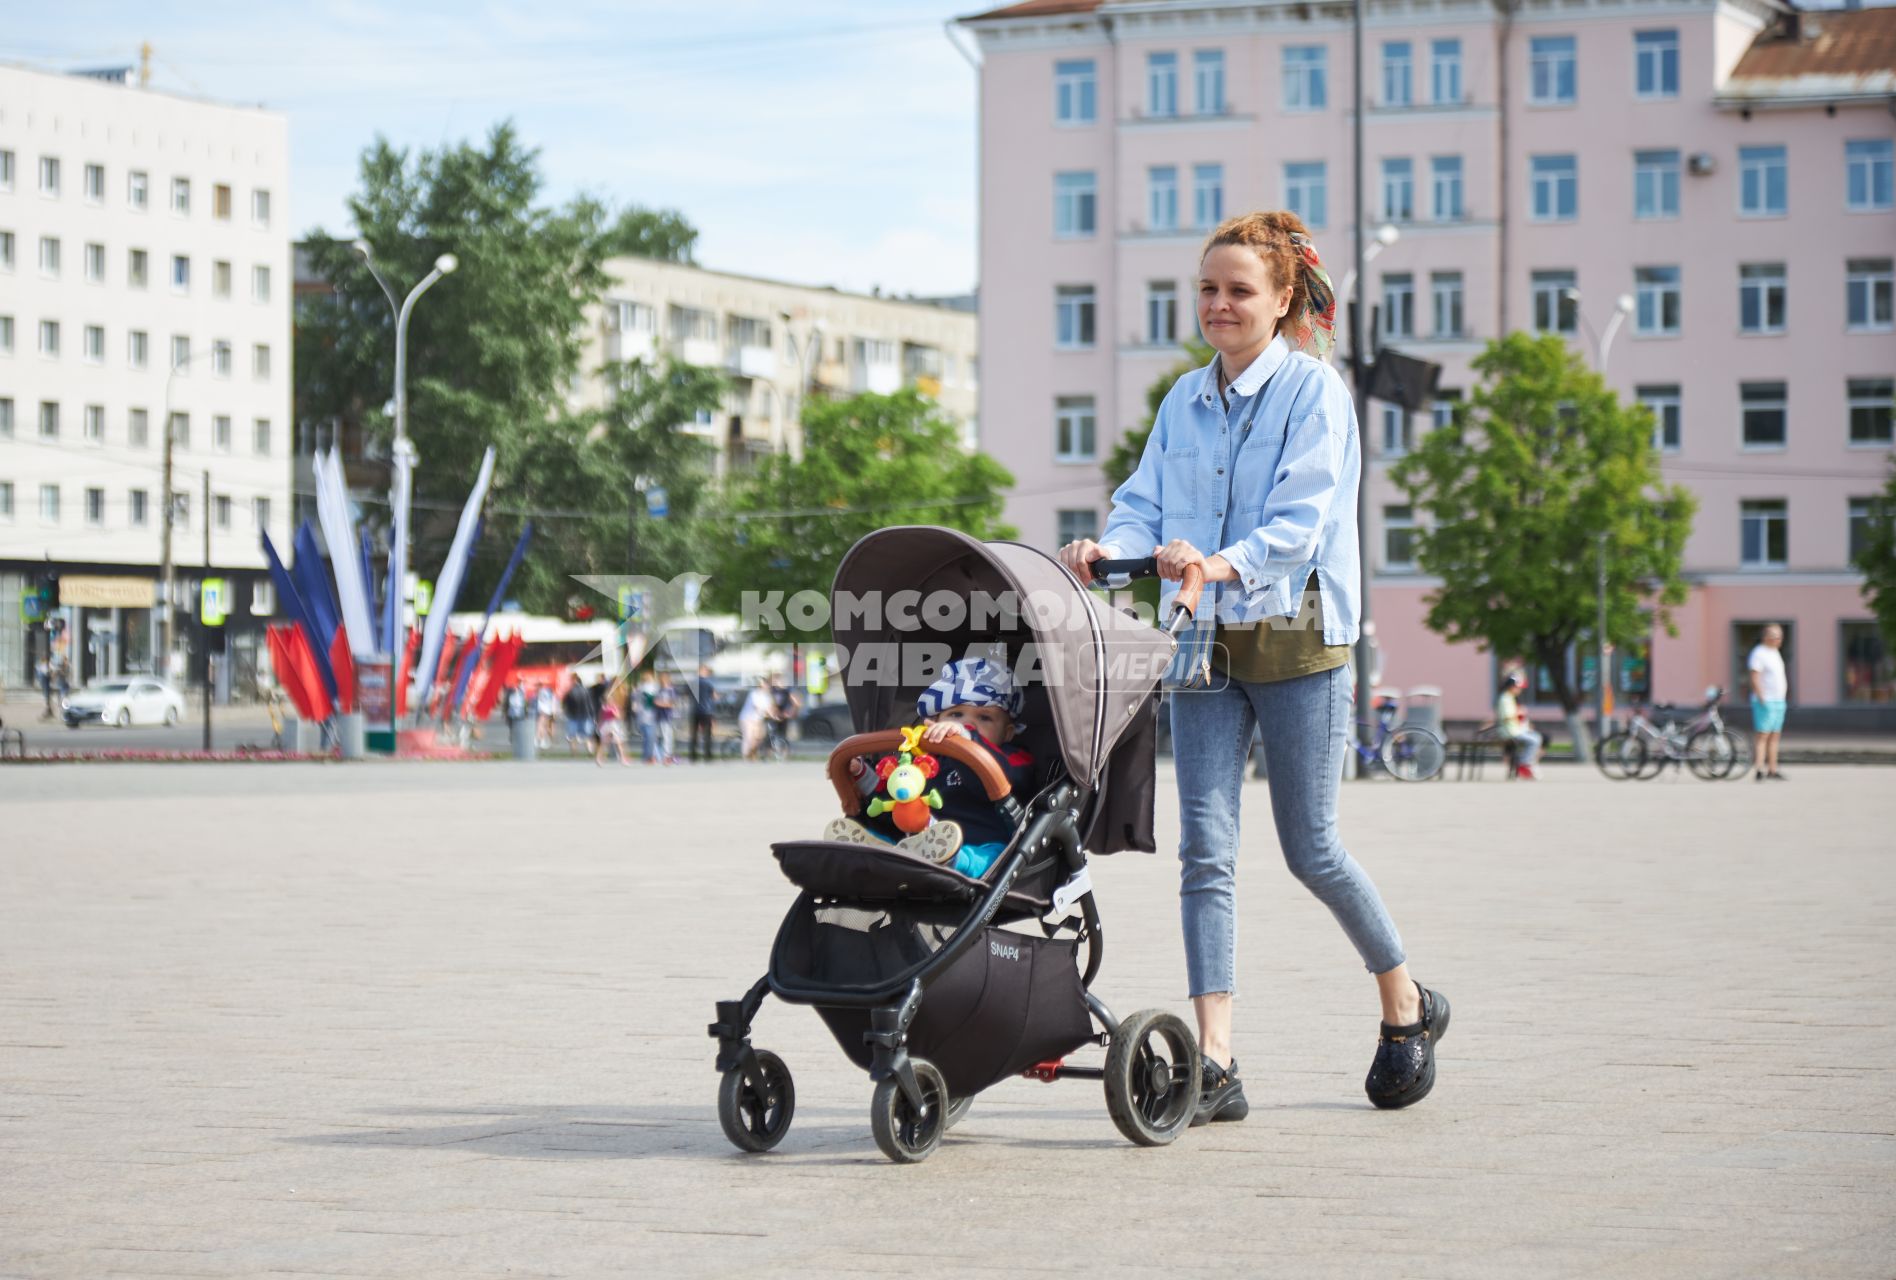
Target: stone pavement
445 1019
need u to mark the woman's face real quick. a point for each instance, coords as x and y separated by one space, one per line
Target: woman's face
1239 304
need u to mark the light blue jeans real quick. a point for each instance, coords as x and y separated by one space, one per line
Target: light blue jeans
1303 722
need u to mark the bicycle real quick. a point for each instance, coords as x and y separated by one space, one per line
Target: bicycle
1409 753
1644 748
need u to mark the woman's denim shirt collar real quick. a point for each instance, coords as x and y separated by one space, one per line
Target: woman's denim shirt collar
1278 509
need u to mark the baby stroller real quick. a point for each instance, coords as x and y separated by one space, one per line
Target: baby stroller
914 966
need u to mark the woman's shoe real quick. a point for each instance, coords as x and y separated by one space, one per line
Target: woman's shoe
1220 1093
940 841
1404 1069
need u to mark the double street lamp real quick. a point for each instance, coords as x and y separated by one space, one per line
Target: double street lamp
401 487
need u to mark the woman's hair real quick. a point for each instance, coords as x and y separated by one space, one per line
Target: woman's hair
1283 241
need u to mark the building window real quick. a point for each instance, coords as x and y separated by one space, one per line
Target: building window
1551 78
138 190
260 357
49 503
260 437
1306 192
49 175
1208 195
1764 534
220 202
180 430
1556 182
1161 84
1398 74
1398 306
1445 72
6 251
1075 203
1445 181
95 264
139 508
260 512
1655 184
93 348
1556 309
1399 539
6 500
1161 313
1858 518
180 273
95 507
6 335
1075 92
220 358
181 195
1162 197
1398 189
1073 429
181 508
1306 75
1398 435
6 171
1764 414
180 354
1445 297
95 424
49 256
220 279
1869 675
1763 182
1076 524
1869 289
1656 63
259 284
1208 82
1868 164
49 338
6 417
1073 308
1872 404
260 207
1657 294
1761 294
1662 401
220 433
1442 408
220 508
137 268
138 428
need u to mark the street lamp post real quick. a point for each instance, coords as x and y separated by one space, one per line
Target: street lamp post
168 522
1385 236
806 353
402 486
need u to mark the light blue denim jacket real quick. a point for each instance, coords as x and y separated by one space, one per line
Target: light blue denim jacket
1286 507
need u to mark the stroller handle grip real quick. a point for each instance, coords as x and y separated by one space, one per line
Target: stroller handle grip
1190 586
957 748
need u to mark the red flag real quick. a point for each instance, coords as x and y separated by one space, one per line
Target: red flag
343 665
282 664
500 667
403 670
303 664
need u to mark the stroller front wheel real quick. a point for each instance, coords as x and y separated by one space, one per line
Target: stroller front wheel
904 1134
756 1113
1152 1077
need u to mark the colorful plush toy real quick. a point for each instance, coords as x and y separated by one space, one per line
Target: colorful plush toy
904 776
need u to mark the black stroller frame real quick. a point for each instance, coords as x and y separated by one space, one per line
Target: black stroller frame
933 942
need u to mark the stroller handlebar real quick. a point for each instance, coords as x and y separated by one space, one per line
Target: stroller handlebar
1185 604
957 748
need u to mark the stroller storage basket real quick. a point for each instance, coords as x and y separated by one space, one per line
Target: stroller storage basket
1006 1002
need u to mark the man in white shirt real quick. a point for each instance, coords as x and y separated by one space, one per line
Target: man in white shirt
1769 689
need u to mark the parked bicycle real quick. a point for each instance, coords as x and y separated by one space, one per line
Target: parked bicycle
1410 753
1646 746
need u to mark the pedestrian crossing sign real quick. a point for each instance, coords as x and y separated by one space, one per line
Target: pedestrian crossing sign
214 601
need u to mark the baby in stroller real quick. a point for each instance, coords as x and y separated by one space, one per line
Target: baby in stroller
975 697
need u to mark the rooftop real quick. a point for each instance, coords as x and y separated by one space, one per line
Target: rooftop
1820 53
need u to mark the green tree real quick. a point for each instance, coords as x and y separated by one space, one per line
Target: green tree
1877 560
1124 459
493 350
1514 493
869 461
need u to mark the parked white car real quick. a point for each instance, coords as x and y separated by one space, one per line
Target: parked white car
128 701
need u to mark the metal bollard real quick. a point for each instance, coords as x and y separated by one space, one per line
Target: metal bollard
526 743
309 737
352 732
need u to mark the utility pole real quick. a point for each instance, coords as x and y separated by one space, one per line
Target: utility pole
168 588
1602 684
207 629
1364 654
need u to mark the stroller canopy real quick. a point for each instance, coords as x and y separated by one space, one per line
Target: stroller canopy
1089 671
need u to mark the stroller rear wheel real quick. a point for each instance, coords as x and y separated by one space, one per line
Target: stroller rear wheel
904 1134
957 1108
1152 1077
757 1113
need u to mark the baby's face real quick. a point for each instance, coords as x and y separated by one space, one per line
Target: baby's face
991 723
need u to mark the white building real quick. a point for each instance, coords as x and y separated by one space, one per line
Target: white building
777 341
144 272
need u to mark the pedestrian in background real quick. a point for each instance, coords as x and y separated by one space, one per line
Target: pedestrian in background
577 704
644 710
1770 690
546 706
45 673
611 727
753 720
1512 724
704 714
596 705
664 708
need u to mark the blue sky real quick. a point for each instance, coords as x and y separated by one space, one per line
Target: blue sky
822 142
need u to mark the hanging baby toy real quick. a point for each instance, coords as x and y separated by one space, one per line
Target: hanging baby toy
904 776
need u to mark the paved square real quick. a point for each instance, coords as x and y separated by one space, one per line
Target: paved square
449 1020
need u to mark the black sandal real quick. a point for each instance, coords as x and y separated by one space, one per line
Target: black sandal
1404 1069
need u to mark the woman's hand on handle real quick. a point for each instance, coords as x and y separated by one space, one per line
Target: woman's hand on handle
1078 557
1175 555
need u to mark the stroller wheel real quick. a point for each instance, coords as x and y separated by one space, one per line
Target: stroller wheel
756 1114
904 1134
958 1108
1152 1077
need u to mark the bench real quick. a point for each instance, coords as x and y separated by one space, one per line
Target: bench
1471 753
12 741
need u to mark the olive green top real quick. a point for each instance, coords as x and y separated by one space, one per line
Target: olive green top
1279 648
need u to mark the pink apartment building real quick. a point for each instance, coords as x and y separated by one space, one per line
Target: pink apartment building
1723 170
